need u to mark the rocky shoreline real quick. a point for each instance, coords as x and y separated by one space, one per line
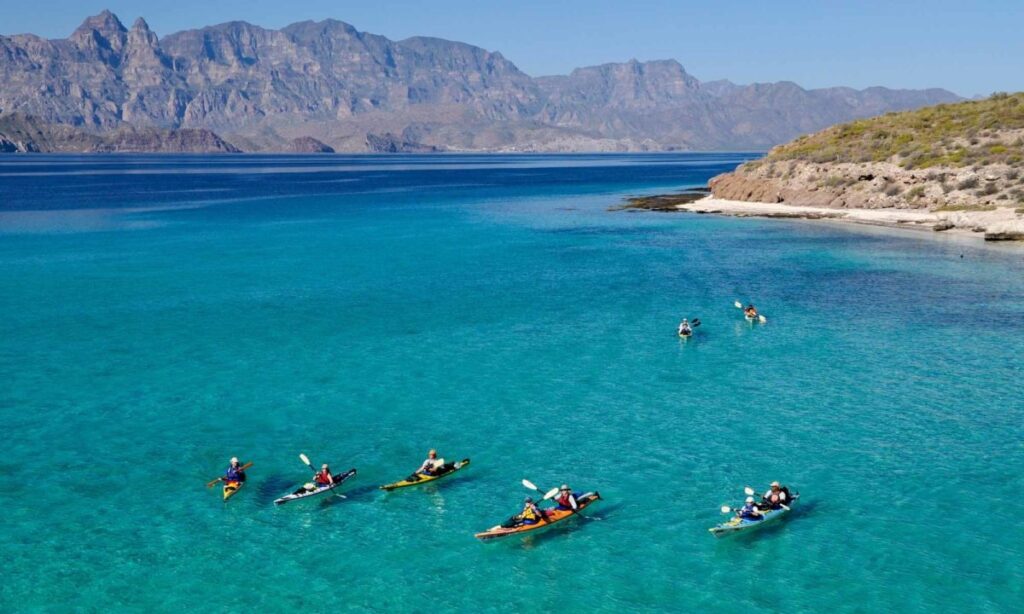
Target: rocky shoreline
985 201
948 168
994 225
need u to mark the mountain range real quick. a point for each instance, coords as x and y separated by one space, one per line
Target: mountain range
322 86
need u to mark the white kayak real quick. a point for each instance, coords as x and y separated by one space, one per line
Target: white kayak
312 490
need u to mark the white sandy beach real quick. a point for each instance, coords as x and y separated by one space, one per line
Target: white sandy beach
965 223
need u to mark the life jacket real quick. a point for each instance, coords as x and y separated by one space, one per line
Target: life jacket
234 474
529 514
323 477
565 500
749 511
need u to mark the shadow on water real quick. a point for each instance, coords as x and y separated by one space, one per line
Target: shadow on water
273 487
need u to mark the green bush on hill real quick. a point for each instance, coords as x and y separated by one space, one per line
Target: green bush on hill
960 134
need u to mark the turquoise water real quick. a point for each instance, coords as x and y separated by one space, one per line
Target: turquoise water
159 315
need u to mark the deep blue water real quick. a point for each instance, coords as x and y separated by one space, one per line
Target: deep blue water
161 314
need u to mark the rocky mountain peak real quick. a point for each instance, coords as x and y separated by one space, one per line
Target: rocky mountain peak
140 25
106 24
103 33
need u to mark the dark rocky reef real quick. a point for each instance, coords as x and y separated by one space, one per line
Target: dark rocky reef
662 202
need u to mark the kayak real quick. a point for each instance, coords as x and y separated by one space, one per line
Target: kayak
230 488
736 525
551 516
423 478
312 490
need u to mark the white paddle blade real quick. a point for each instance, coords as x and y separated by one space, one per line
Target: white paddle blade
726 509
749 491
529 484
738 304
304 459
550 493
762 319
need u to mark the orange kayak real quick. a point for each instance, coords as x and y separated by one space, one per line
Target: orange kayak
551 517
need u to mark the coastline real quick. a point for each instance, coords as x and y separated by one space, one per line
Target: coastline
997 226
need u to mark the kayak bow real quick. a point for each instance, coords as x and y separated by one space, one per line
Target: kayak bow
422 478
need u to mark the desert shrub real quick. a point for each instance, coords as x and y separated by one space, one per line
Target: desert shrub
947 187
893 190
967 184
915 192
1012 174
966 208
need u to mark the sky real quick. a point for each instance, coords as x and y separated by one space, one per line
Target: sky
970 47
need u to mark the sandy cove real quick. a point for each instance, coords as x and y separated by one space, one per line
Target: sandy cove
997 225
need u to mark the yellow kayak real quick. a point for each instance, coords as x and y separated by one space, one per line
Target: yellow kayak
230 488
422 478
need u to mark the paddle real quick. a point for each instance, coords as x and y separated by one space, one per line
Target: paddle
221 479
305 459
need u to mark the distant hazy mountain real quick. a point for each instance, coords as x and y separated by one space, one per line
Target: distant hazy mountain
322 85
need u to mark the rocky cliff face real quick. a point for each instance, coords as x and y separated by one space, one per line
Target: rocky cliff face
264 88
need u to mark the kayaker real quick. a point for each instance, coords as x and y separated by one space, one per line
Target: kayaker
750 311
776 496
749 511
235 473
432 464
324 477
684 327
531 514
565 500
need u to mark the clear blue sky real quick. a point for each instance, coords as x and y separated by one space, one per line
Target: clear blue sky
970 47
